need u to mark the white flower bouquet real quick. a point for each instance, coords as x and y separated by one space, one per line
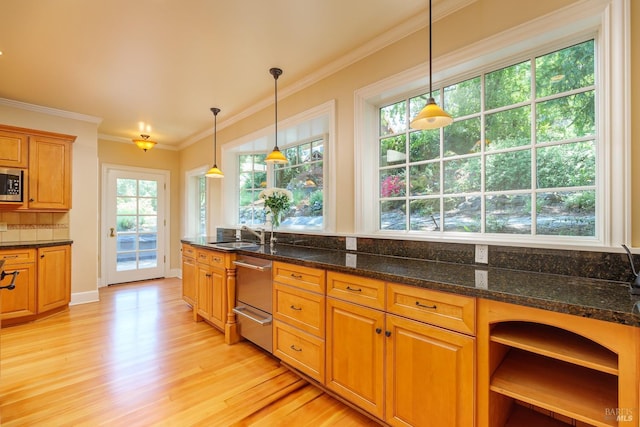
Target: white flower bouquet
276 202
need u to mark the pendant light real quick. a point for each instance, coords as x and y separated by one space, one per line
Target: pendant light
144 143
431 116
214 172
276 156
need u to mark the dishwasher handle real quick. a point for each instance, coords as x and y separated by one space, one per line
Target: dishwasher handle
252 266
243 311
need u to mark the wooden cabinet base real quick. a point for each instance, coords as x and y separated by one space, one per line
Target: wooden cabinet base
33 317
43 284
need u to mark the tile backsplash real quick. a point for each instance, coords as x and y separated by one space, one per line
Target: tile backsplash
34 226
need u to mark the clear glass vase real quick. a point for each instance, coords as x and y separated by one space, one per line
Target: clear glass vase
274 224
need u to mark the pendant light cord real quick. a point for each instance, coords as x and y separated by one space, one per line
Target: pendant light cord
275 82
430 56
215 112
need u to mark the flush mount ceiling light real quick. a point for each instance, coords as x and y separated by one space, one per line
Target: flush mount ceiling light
214 172
431 116
145 143
276 156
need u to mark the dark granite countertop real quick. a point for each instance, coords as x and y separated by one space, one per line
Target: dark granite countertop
34 244
585 297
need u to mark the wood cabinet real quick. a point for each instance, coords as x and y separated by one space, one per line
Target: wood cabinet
43 285
536 366
21 301
355 354
13 149
429 375
299 322
54 277
189 281
49 174
211 289
401 370
46 158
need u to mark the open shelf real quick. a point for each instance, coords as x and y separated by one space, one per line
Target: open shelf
561 387
523 417
556 343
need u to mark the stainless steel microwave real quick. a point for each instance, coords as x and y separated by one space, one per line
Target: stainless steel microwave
11 185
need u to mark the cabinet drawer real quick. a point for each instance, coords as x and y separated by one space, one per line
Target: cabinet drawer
450 311
299 349
311 279
188 251
214 259
18 256
361 290
299 308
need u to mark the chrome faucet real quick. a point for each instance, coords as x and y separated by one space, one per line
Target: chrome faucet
258 232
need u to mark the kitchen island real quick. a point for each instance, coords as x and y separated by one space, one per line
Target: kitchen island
501 337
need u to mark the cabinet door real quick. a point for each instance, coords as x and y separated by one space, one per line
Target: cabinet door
49 173
429 375
218 301
54 277
355 350
21 301
189 280
13 149
204 283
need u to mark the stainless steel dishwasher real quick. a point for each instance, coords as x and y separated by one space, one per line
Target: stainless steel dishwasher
253 296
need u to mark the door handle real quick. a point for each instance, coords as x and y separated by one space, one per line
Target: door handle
11 285
111 234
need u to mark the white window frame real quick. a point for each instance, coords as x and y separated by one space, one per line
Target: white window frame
191 202
608 22
291 131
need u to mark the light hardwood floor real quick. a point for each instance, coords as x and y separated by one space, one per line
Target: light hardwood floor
138 358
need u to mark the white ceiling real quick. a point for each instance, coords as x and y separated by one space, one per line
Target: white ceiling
166 62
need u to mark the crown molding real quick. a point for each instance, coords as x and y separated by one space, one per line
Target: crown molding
50 111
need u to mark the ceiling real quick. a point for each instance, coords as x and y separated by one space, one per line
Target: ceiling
166 62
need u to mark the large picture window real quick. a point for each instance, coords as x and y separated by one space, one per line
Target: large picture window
520 157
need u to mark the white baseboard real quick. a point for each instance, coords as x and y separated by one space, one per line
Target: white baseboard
84 297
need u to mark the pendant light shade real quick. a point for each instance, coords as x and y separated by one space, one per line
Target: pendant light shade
214 172
276 156
144 143
431 116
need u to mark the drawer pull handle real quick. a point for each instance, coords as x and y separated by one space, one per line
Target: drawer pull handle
296 276
349 288
433 307
293 307
10 256
294 348
216 259
378 331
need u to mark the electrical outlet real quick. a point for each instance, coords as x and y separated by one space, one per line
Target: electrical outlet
482 279
238 234
482 254
352 244
3 226
351 260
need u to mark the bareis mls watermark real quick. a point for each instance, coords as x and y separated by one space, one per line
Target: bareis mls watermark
619 414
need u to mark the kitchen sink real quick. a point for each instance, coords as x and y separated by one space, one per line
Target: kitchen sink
229 246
